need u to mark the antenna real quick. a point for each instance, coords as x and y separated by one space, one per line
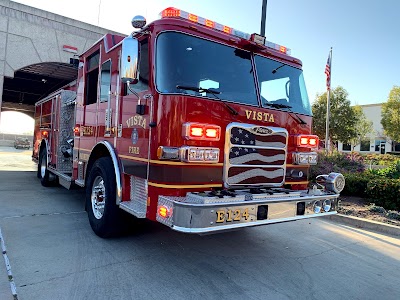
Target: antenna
98 15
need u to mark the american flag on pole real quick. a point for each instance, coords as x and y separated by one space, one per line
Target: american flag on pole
328 72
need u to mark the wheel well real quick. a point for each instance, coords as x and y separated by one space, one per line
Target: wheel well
99 151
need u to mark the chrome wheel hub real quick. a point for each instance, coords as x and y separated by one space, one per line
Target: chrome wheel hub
43 168
98 197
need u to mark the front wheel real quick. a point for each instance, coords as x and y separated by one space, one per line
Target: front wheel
103 212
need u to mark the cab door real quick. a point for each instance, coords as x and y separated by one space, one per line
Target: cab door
134 125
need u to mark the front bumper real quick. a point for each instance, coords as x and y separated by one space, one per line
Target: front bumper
201 213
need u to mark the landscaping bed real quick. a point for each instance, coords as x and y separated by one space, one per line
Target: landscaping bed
362 208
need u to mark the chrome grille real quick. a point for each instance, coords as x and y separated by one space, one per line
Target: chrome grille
254 155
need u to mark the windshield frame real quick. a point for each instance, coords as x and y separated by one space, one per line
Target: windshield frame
283 64
254 73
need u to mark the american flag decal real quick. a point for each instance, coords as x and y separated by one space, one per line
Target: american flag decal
257 155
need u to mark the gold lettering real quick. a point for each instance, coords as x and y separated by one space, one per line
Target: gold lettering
136 120
220 216
246 214
250 114
229 218
271 118
237 213
133 150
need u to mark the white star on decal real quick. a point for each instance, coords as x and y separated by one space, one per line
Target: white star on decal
246 135
240 131
245 149
236 139
242 142
236 153
252 142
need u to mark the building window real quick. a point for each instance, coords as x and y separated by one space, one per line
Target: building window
346 147
365 145
378 145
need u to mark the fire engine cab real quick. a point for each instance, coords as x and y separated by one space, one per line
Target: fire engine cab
187 122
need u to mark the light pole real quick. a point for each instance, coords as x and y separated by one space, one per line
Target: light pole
263 17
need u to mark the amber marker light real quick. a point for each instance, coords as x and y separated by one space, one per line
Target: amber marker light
76 130
163 211
45 134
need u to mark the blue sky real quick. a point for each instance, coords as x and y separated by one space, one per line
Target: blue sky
364 34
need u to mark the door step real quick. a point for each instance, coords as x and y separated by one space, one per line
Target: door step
134 208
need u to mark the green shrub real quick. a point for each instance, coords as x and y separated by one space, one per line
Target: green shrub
392 171
384 192
380 159
356 183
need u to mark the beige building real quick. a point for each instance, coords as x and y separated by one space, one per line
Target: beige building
377 142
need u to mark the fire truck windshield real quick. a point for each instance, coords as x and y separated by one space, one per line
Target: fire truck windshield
282 84
185 60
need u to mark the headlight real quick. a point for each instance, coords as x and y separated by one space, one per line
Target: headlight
305 158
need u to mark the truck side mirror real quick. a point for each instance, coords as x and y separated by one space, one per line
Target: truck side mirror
129 60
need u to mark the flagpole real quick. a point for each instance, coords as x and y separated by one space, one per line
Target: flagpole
328 104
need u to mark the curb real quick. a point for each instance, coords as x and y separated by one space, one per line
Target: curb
366 224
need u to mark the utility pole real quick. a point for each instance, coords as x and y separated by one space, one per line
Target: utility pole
263 17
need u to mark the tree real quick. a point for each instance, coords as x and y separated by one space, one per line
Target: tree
363 126
391 114
342 119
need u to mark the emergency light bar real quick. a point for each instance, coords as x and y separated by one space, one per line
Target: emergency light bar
172 12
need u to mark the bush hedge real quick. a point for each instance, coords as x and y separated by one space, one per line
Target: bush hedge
380 159
337 162
384 192
356 184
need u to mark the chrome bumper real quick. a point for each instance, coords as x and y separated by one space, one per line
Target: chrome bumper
198 213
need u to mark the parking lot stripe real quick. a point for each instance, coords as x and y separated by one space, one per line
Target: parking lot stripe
8 267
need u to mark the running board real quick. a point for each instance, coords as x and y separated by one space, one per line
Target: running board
133 208
64 180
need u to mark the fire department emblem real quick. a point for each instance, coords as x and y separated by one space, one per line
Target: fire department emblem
134 136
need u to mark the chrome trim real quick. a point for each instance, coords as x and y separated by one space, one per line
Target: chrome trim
266 200
80 183
184 154
116 164
250 224
229 145
203 217
59 174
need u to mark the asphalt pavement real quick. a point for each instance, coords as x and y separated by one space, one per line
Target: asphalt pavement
54 254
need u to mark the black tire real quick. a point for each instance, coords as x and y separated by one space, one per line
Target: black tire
43 172
103 212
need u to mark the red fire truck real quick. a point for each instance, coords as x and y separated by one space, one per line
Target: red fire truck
187 122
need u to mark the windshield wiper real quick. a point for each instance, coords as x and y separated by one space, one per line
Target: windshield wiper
210 91
276 69
289 108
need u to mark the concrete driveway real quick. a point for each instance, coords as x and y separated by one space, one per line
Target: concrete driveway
54 255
